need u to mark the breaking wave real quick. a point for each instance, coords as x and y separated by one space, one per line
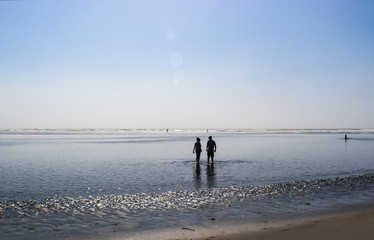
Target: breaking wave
35 131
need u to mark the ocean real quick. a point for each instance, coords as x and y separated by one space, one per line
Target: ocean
67 183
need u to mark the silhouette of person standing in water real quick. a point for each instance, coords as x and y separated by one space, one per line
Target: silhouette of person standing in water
197 149
211 148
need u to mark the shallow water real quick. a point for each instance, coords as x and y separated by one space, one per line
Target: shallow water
64 182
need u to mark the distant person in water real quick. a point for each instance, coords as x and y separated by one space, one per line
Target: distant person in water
211 148
197 149
346 137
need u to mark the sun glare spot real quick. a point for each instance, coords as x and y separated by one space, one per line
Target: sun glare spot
171 37
179 75
176 59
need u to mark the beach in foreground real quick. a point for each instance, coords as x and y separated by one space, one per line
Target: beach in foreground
356 224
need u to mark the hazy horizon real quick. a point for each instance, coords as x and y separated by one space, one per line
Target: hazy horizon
187 64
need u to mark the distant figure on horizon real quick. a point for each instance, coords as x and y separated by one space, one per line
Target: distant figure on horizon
197 149
345 137
211 148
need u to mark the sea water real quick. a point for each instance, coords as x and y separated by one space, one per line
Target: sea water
63 183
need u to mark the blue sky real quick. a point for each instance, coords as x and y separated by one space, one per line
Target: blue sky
187 64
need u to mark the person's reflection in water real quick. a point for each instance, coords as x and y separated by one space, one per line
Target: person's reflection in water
210 175
197 176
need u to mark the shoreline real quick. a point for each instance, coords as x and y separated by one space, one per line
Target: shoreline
346 225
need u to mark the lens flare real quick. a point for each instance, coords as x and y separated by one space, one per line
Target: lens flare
171 37
179 75
176 59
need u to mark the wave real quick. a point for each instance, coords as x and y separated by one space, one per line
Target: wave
58 131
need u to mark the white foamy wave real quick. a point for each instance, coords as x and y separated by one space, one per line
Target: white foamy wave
72 131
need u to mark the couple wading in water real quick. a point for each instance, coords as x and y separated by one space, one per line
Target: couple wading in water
210 148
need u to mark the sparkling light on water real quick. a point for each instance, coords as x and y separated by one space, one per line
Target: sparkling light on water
87 181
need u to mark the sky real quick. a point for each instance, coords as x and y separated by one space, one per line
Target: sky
187 64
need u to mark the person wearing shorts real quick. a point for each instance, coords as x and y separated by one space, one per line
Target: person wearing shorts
211 148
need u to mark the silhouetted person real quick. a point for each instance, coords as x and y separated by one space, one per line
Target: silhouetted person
211 148
345 137
197 149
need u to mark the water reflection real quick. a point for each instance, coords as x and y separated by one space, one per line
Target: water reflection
210 176
197 176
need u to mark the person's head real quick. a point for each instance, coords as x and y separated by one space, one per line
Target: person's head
198 139
210 137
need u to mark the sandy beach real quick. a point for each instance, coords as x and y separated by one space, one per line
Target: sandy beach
352 225
356 225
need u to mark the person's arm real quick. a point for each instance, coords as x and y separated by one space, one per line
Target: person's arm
215 146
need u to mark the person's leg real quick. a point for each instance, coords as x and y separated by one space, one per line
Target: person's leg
210 155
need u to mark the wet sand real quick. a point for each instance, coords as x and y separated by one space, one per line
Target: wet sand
357 225
354 225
